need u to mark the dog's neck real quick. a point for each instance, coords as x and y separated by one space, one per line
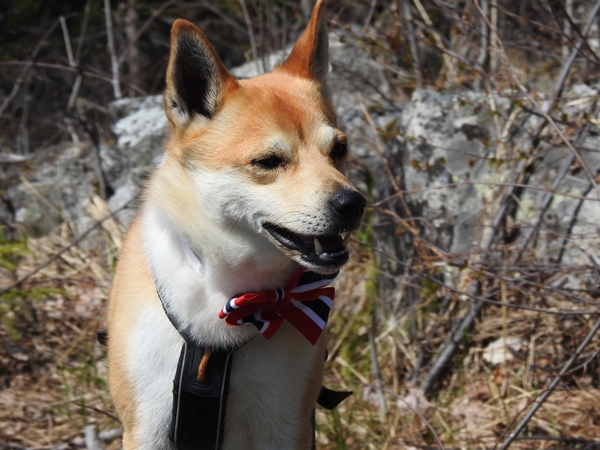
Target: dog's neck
198 280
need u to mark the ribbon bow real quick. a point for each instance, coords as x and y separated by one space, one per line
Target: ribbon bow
305 303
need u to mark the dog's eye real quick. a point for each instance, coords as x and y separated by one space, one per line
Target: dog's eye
339 150
268 162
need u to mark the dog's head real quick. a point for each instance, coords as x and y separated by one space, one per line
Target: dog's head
263 157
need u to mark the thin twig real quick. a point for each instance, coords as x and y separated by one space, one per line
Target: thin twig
494 52
111 50
23 136
93 73
483 46
454 338
432 332
481 183
567 14
79 79
414 50
452 73
370 14
563 244
545 203
386 167
84 27
471 294
375 367
566 68
227 18
250 34
39 195
67 40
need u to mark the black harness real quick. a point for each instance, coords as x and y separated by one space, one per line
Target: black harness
199 405
200 391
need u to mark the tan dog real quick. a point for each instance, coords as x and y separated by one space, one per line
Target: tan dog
251 188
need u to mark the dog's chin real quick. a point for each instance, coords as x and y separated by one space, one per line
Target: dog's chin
323 253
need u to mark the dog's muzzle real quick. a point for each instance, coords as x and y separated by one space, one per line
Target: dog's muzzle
324 251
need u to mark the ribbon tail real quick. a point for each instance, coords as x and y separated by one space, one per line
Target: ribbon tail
308 317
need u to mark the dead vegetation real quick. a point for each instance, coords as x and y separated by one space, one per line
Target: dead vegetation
442 350
53 371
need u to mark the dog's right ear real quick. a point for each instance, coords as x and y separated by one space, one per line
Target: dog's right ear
197 80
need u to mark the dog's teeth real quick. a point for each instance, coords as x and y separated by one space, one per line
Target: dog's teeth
318 246
346 239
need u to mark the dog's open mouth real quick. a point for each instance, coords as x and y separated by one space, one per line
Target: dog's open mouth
321 251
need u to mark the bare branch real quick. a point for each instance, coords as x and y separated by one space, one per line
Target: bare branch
111 50
250 33
414 50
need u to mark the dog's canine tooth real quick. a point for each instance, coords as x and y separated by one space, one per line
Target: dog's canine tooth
318 246
346 239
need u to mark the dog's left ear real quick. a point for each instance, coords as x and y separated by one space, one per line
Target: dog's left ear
197 80
310 56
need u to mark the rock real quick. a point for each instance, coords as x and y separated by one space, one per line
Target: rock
443 150
140 126
500 350
438 147
59 186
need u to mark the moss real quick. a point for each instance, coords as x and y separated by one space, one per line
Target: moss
10 251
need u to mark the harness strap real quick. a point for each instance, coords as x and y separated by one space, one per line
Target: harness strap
329 398
199 404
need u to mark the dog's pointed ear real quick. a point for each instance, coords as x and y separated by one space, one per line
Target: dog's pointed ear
310 56
197 80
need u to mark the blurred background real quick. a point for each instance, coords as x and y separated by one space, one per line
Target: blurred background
468 314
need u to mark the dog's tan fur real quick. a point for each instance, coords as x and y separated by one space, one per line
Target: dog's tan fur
214 191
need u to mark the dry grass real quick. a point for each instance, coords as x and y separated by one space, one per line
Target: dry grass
53 371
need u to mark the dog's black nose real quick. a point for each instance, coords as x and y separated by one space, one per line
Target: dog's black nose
350 205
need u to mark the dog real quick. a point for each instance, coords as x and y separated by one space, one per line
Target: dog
250 193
